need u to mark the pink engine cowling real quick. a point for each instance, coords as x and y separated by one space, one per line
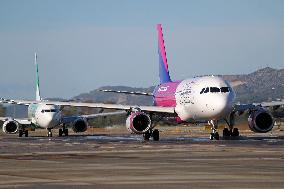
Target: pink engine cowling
138 122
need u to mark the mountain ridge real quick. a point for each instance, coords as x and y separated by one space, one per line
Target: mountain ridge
261 85
265 84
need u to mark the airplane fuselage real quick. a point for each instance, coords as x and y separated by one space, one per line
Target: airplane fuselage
44 116
197 99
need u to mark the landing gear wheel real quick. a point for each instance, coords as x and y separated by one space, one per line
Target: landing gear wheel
216 136
147 136
226 133
156 135
26 133
214 129
65 132
211 136
49 133
60 132
21 133
235 132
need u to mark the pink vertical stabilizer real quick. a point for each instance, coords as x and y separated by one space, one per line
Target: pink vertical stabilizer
163 63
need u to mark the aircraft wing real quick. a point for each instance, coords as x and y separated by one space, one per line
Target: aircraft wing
18 102
22 121
272 104
128 92
93 116
253 106
157 109
69 119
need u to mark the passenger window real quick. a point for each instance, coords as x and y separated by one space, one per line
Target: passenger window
214 90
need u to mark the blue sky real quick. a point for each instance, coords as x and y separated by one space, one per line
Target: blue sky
85 44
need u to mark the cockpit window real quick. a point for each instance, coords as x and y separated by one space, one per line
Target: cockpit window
204 90
225 89
51 110
214 89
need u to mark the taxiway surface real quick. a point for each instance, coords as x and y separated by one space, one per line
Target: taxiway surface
126 161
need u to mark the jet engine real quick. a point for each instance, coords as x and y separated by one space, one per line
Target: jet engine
10 126
260 121
138 122
80 125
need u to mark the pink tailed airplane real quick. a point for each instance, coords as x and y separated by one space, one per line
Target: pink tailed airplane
202 99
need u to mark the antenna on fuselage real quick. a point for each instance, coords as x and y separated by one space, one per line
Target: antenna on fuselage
38 98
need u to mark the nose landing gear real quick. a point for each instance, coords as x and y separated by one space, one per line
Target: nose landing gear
23 132
230 133
49 132
214 130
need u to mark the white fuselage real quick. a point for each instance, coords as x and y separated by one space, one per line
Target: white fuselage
44 116
204 98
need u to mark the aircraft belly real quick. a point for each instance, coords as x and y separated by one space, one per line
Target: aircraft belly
185 113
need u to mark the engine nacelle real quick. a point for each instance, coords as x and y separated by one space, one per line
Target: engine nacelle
10 126
260 121
80 125
138 122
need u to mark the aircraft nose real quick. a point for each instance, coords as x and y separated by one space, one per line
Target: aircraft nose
222 106
51 120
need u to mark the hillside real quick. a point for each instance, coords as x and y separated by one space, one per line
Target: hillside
261 85
98 96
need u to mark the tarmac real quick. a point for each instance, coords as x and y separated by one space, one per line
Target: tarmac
113 159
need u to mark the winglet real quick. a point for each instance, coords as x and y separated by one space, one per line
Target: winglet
38 98
163 64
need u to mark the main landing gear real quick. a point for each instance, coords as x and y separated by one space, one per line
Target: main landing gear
227 132
152 133
63 131
23 132
214 130
231 131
